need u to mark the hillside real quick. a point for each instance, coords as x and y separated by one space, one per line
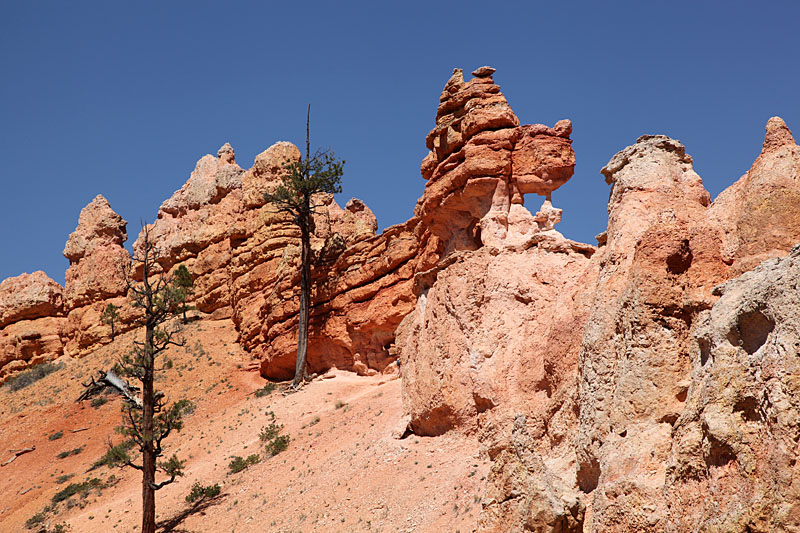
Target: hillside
343 469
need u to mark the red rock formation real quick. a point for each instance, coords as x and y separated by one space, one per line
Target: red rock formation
31 323
244 258
642 296
613 389
96 255
758 214
361 281
193 228
358 300
95 276
29 296
472 197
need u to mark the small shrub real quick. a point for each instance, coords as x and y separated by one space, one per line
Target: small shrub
65 454
83 488
238 463
57 435
201 492
266 390
63 479
61 528
340 404
114 454
97 401
277 445
36 520
271 438
32 375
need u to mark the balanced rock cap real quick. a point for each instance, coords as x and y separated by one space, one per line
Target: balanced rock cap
483 72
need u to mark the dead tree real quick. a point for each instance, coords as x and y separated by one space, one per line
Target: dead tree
106 380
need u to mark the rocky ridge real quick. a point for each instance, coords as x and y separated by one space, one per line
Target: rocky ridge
644 384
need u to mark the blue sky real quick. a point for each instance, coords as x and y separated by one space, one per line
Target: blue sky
122 99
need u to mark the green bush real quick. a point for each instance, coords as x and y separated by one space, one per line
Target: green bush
202 492
32 375
271 438
239 463
36 520
55 436
273 442
266 390
65 454
83 488
63 479
114 454
98 401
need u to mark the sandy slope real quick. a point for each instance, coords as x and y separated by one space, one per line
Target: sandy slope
343 471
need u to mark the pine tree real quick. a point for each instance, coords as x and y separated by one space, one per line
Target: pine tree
151 423
110 316
303 178
183 282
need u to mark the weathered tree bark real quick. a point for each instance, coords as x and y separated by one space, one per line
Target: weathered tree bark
305 303
148 451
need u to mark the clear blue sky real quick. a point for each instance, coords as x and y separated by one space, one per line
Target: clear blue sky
122 98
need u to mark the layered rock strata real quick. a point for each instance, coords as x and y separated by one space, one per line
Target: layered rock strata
482 163
492 345
244 258
41 320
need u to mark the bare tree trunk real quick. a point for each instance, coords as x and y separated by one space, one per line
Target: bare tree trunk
305 301
148 454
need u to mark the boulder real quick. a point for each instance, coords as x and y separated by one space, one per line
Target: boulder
30 296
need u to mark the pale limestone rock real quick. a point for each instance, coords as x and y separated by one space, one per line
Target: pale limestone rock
657 269
734 460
